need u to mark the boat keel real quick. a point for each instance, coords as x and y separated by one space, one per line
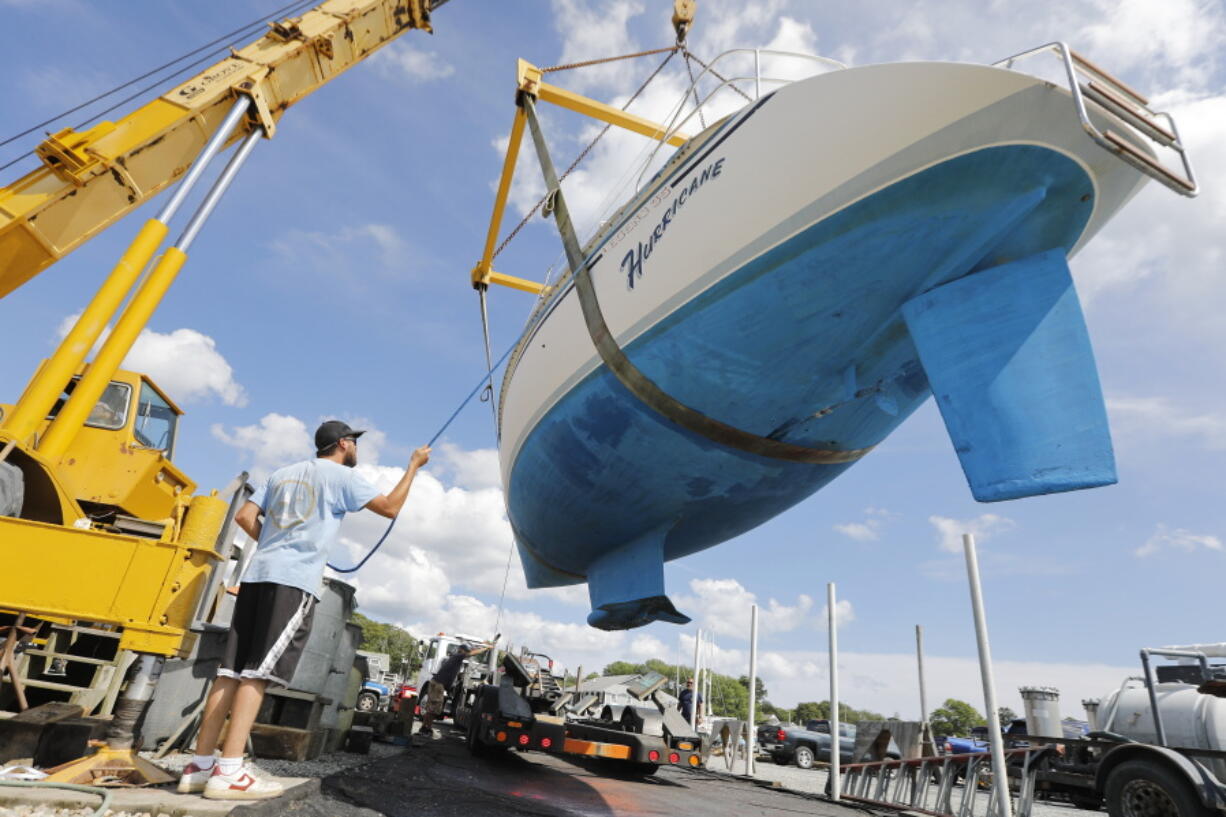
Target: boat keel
626 586
1008 356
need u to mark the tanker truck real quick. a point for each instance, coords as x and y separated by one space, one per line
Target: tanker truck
1157 743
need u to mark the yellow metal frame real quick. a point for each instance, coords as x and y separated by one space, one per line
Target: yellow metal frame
529 82
147 586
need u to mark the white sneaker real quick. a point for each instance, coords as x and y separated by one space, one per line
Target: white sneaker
194 778
242 785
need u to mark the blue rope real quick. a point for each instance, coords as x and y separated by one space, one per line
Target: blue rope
486 380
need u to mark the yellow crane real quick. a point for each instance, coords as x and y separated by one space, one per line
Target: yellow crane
101 526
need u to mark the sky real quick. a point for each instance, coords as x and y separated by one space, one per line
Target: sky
333 281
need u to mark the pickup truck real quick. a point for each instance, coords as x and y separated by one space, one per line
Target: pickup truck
373 696
811 743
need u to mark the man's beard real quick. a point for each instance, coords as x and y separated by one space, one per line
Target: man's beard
351 459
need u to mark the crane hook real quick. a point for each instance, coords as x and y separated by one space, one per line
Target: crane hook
683 18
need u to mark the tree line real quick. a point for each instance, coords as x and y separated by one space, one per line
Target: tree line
730 698
401 645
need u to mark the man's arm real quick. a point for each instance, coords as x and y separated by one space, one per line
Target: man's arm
389 505
248 518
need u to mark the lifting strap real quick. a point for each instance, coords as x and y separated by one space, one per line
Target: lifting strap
642 387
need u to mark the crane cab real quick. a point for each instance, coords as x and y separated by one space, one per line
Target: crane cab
119 466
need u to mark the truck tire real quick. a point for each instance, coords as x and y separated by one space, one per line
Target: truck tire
367 702
486 701
803 757
1137 788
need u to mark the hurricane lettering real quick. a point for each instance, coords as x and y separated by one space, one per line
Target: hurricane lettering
632 265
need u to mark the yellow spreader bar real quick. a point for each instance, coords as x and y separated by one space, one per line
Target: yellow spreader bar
530 83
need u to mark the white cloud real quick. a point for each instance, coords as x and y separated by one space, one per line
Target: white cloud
184 362
867 531
276 440
471 468
844 614
723 606
1149 417
591 30
982 527
888 682
350 252
1165 539
860 531
401 60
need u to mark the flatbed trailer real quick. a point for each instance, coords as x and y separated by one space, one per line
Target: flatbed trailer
500 717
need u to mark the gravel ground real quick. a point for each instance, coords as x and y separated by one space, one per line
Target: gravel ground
322 766
814 781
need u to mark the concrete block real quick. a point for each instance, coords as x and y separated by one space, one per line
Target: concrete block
19 734
379 721
286 743
359 740
67 740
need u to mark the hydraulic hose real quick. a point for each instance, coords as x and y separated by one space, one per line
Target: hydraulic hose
105 794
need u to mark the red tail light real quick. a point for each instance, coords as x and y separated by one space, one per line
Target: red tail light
546 743
653 756
673 757
523 740
781 736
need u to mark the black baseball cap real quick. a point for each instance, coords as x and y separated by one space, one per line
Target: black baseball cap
333 431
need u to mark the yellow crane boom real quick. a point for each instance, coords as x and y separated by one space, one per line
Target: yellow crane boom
90 179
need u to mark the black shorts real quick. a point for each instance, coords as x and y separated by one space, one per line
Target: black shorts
268 632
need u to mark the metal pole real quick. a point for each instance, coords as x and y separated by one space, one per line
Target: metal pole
63 430
677 666
1159 731
218 189
757 74
48 383
706 673
751 739
1000 780
925 729
694 696
836 746
206 155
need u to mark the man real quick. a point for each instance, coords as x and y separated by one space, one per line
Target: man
686 702
438 685
302 506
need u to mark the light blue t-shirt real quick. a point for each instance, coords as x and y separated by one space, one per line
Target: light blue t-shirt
303 506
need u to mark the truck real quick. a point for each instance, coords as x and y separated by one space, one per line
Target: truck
808 744
1158 746
379 682
521 704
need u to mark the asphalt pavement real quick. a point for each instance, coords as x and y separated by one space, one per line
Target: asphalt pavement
441 778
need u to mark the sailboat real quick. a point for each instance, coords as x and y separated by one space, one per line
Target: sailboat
795 280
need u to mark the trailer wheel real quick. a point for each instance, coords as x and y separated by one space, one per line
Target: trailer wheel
803 757
1138 788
